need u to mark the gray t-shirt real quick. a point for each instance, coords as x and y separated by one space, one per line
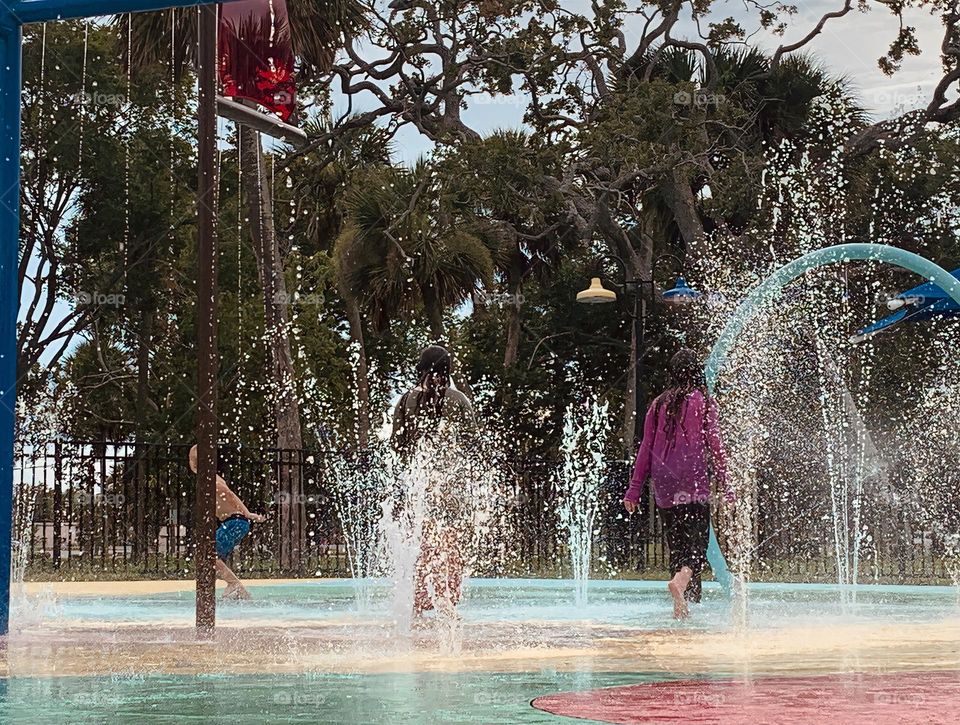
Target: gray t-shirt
415 417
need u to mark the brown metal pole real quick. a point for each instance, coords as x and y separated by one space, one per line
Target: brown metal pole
205 520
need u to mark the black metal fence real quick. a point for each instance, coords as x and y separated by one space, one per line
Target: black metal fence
96 509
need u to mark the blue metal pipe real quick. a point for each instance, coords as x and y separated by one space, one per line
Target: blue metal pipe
40 11
9 294
770 288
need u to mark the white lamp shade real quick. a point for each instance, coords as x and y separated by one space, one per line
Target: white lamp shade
596 294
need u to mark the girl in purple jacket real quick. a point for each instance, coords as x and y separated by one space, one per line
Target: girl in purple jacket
681 452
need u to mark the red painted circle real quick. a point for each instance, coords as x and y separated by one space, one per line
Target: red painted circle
896 698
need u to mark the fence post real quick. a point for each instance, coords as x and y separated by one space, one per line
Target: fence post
139 504
57 503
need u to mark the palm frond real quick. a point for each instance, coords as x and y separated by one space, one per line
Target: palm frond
320 27
159 39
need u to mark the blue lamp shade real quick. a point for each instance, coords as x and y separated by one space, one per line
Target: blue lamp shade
681 294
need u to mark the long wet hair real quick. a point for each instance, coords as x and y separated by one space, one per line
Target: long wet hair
433 377
686 376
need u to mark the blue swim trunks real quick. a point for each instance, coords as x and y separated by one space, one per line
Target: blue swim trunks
229 533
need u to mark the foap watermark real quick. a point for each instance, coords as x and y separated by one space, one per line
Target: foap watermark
500 299
698 99
85 498
500 99
295 298
494 697
298 499
702 699
94 699
127 676
99 299
292 697
97 98
684 497
895 299
884 99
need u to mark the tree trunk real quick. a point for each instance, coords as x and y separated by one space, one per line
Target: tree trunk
256 184
514 327
438 333
639 267
679 196
363 383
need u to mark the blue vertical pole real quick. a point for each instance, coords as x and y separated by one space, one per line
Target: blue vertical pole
9 289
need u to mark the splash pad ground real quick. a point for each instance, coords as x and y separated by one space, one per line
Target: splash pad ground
304 651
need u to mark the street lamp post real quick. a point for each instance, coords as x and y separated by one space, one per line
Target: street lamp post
641 290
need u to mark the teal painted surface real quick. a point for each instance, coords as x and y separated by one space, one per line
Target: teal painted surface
489 603
769 290
397 699
135 695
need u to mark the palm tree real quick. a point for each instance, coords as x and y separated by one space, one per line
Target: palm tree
746 105
503 177
321 179
407 247
317 29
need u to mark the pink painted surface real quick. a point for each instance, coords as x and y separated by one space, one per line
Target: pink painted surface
898 698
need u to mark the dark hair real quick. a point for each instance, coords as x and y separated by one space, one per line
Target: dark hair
686 375
686 370
433 374
433 359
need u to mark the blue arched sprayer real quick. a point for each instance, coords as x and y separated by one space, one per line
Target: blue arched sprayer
770 288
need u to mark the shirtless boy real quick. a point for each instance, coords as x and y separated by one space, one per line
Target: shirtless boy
235 519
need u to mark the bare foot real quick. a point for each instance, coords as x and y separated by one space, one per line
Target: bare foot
235 592
680 609
420 622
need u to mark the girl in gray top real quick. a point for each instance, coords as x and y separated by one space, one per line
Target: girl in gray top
441 417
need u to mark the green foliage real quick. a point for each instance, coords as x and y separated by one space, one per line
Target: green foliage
488 236
97 393
407 246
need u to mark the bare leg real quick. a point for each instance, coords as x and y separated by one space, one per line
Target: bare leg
449 574
235 590
677 586
422 601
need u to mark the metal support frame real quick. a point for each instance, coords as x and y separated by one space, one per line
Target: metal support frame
12 17
770 288
638 316
208 354
262 122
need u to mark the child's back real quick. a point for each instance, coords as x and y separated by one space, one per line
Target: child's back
680 440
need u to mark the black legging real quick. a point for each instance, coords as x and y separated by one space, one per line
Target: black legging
687 528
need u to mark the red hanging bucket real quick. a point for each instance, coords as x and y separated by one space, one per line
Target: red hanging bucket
256 56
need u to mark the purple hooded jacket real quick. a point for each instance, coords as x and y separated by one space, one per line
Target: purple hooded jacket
681 465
